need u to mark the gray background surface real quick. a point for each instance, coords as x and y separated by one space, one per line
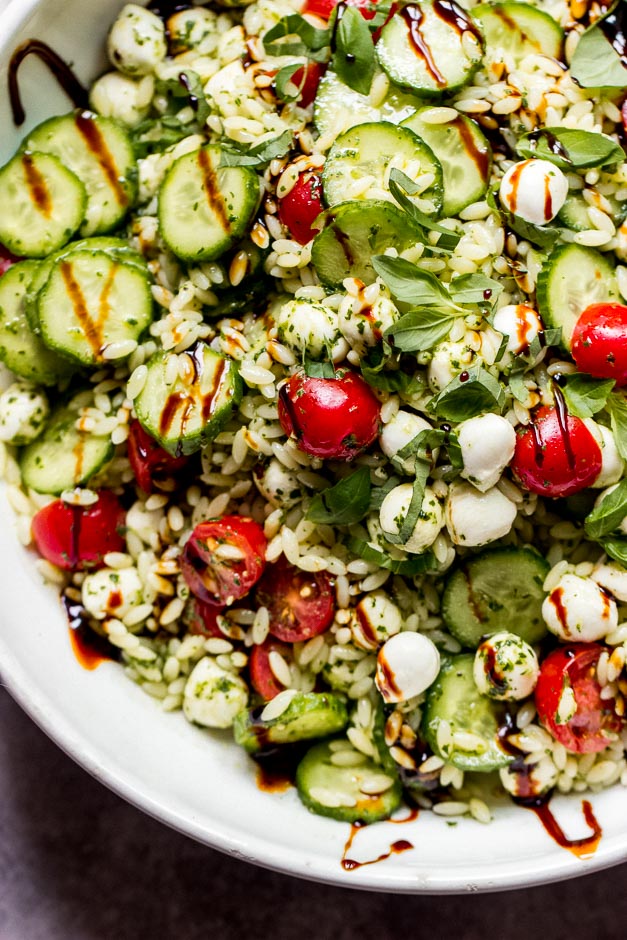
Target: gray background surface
78 863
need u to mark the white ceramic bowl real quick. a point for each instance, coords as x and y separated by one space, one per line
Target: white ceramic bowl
197 782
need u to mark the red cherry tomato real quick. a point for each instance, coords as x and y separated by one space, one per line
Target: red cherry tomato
301 207
262 679
201 619
324 8
301 604
307 78
223 558
557 455
148 460
337 418
78 537
599 342
575 667
6 260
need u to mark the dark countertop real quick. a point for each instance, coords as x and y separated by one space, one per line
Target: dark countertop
78 863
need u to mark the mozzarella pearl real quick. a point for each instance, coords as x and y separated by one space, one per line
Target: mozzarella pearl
23 413
534 190
137 43
407 664
506 668
612 464
277 484
474 518
613 578
529 780
213 696
520 323
193 29
365 327
376 619
487 443
449 359
118 96
578 609
398 432
309 327
112 592
394 509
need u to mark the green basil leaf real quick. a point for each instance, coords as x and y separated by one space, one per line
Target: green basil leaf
471 393
379 493
343 504
517 383
195 94
311 40
571 149
414 509
353 56
409 567
596 63
617 407
258 155
319 370
394 381
409 284
398 182
616 548
474 289
284 77
425 442
541 235
609 514
420 329
584 395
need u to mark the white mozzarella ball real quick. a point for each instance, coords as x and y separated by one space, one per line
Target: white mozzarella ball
611 577
613 465
309 327
112 592
137 43
487 443
376 619
277 484
506 668
520 323
398 432
578 609
127 99
196 28
407 664
529 780
366 327
394 510
213 696
534 190
23 413
474 518
449 359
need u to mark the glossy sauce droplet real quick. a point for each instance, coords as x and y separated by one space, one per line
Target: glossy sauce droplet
89 649
66 78
396 848
583 848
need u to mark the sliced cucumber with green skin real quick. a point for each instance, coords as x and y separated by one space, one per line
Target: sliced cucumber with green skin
338 105
21 349
464 154
356 232
43 204
572 278
309 715
520 29
205 208
498 589
574 213
99 151
63 457
91 303
430 47
322 785
367 150
454 698
183 416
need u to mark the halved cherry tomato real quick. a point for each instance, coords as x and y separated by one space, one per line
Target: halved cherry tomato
262 679
337 418
302 206
599 342
574 666
301 604
148 460
324 8
223 558
307 78
6 260
78 537
556 455
201 619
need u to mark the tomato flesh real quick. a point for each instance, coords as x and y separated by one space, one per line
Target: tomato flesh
324 8
575 666
201 619
76 538
301 207
334 418
301 604
307 78
148 460
262 678
223 559
599 342
557 455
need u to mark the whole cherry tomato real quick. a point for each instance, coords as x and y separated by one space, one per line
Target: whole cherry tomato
599 342
6 260
148 460
262 678
556 455
574 667
324 8
301 604
201 619
336 418
307 78
78 537
301 207
223 558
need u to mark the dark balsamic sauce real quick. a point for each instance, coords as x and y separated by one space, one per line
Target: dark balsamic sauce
90 649
191 98
455 17
339 13
396 848
63 73
582 848
413 16
561 412
554 145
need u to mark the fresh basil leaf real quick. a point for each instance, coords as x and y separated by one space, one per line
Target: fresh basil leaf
584 395
409 284
502 348
474 289
616 548
319 370
353 56
258 155
195 95
617 407
596 63
409 567
284 77
571 149
414 509
343 504
312 42
401 187
541 235
517 383
420 329
552 337
471 393
394 380
379 493
609 514
425 442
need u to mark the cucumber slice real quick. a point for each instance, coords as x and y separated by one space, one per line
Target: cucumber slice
430 47
63 457
329 790
498 589
572 278
574 212
99 151
367 150
90 303
519 30
183 416
309 715
357 231
43 204
454 698
338 107
205 208
464 154
20 349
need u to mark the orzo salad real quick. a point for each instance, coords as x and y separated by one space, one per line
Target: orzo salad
317 321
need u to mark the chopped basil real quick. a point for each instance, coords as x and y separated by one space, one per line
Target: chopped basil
353 49
422 469
426 441
584 395
401 187
294 35
617 407
420 329
517 383
471 393
257 156
474 289
408 567
596 63
409 284
571 149
543 236
343 504
394 380
319 370
616 548
284 78
609 514
552 337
